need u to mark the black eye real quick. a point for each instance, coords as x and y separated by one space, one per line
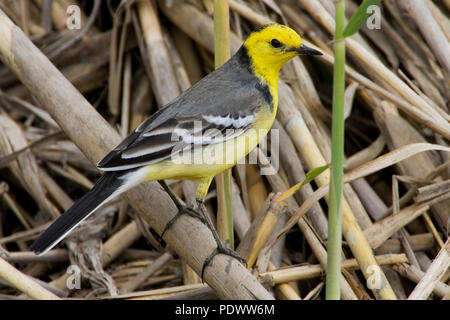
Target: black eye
275 43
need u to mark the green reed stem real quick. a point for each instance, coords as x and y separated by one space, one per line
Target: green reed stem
334 244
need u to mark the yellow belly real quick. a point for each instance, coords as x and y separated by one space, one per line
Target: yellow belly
208 161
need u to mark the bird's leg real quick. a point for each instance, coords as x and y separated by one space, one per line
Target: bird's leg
182 208
221 248
203 217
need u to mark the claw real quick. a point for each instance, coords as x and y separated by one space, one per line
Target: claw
182 210
223 250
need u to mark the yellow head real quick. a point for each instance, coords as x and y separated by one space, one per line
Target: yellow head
270 47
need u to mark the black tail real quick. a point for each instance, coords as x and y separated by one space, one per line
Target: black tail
103 189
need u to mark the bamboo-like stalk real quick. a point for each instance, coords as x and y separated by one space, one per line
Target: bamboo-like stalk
146 273
24 283
295 273
126 93
55 191
410 272
257 191
431 32
337 160
24 16
25 167
430 226
284 289
164 83
260 230
434 273
223 180
159 293
54 256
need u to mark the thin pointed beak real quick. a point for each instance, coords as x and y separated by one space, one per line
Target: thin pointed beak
308 51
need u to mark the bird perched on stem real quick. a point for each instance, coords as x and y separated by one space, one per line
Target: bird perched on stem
204 131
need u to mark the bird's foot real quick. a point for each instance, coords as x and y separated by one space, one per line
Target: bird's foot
223 249
183 209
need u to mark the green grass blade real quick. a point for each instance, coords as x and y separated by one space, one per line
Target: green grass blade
310 176
337 160
358 18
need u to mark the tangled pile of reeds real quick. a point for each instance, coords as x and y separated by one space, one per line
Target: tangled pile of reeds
130 58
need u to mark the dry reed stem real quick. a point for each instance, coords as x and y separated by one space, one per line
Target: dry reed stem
72 174
418 242
432 276
431 31
55 256
116 50
257 191
441 19
126 97
17 209
431 191
260 230
25 235
23 283
164 83
241 217
365 155
55 191
146 273
186 49
380 231
287 292
25 167
159 293
284 289
295 273
412 273
374 205
430 226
